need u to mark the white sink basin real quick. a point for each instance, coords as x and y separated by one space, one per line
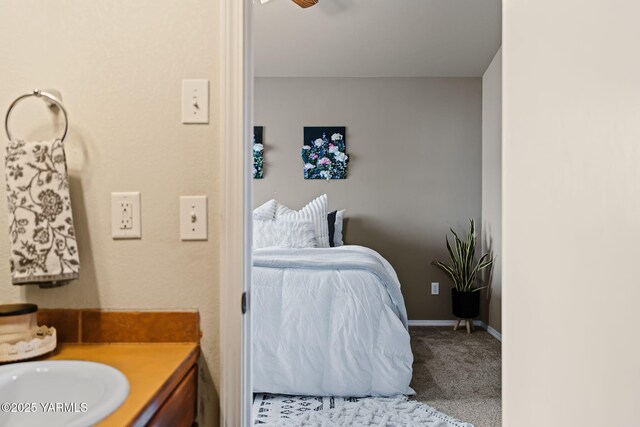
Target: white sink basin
55 393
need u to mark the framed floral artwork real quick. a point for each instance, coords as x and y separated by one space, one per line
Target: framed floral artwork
324 153
258 153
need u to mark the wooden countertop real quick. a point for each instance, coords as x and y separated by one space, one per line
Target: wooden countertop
153 371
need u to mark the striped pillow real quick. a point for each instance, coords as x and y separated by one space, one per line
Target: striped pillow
316 212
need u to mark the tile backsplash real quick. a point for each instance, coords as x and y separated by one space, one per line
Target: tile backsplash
103 326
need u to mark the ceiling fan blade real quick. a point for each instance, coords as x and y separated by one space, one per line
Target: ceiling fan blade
305 3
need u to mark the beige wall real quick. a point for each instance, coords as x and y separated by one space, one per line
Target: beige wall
492 184
119 66
415 168
571 210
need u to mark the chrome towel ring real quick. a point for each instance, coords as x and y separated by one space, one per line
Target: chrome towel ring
40 94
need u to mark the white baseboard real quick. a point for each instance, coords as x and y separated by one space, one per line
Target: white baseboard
479 323
497 335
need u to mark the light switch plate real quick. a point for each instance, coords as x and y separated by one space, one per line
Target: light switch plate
125 215
195 101
193 217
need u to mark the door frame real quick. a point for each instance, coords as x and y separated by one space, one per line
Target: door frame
236 121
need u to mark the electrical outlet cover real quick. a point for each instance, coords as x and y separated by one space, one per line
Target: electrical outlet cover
125 215
435 288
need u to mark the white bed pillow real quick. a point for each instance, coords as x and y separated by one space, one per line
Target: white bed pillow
283 234
266 211
316 212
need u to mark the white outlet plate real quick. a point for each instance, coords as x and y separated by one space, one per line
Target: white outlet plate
125 215
435 288
193 218
195 101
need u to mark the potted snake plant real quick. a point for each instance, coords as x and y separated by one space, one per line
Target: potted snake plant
463 269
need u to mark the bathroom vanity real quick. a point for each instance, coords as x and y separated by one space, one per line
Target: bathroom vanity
156 351
163 380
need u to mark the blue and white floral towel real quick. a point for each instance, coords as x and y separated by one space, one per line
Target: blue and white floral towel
43 243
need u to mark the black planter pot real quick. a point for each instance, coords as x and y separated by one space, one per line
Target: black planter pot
466 305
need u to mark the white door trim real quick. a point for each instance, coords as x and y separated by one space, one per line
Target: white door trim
235 89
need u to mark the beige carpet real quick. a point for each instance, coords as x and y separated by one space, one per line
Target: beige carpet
458 374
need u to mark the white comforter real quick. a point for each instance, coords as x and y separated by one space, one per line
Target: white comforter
328 322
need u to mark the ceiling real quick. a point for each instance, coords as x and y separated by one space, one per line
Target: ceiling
376 38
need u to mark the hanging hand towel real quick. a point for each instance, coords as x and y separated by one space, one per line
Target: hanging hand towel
43 243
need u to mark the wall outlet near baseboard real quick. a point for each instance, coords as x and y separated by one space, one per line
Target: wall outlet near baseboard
435 288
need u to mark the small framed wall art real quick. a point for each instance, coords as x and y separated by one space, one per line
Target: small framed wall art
324 153
258 152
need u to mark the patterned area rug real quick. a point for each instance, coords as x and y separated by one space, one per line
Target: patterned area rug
280 410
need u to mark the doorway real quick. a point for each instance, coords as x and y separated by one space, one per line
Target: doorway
359 230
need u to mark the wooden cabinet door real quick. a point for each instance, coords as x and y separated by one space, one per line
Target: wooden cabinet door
179 410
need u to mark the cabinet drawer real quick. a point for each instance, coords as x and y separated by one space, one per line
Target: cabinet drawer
179 410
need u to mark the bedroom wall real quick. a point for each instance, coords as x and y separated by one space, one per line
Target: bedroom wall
571 204
119 66
415 165
492 184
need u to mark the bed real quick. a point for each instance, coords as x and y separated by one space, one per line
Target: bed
328 322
